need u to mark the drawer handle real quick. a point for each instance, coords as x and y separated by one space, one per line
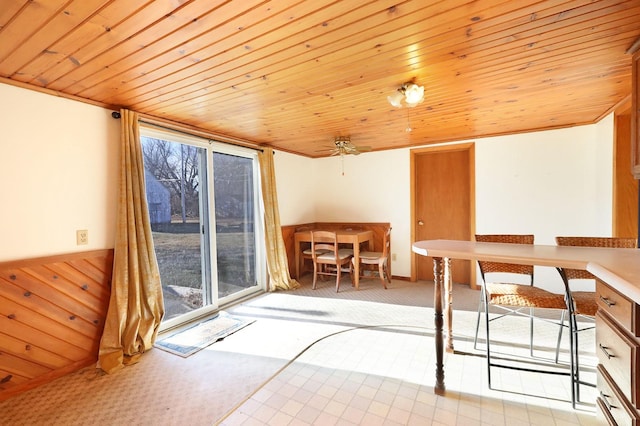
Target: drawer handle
606 352
607 302
605 398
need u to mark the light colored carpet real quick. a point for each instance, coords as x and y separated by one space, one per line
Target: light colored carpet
297 364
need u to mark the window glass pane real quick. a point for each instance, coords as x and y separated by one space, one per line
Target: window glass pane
173 174
235 219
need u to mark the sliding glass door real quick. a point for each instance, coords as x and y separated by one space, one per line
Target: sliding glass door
235 224
202 198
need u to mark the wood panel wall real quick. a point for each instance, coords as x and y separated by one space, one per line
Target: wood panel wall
52 313
378 228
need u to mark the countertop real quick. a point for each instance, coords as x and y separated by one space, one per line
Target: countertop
619 268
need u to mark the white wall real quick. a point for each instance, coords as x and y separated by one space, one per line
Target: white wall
58 174
295 181
546 183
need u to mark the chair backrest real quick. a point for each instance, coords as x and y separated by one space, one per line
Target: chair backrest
507 268
606 242
386 243
323 241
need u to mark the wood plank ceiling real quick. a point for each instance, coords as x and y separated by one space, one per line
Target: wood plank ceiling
295 74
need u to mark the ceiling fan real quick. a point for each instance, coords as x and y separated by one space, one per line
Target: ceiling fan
343 146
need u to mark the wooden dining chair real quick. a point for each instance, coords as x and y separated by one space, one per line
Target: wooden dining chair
306 252
584 304
328 257
380 259
512 297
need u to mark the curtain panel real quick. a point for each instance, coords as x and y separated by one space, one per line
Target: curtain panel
277 265
136 305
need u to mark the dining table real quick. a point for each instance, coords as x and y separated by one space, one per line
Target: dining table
353 237
619 268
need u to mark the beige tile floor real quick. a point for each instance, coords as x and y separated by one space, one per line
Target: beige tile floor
313 357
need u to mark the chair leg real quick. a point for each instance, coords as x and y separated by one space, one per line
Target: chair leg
475 340
562 316
388 270
338 273
382 275
531 332
486 316
315 275
572 366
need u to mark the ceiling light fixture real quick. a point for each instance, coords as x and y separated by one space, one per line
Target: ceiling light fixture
410 92
345 147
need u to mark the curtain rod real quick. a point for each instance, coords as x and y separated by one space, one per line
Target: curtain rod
116 115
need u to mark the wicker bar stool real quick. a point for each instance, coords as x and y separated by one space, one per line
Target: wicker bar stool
583 303
513 298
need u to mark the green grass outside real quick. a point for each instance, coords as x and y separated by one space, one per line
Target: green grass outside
179 261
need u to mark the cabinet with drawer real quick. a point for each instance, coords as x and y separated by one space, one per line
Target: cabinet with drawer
618 352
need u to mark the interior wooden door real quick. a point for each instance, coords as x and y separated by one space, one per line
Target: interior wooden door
444 203
625 186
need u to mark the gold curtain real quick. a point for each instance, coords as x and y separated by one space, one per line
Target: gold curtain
136 306
277 264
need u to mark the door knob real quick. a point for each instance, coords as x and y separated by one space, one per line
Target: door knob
420 223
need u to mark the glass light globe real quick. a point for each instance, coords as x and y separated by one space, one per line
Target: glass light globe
414 94
396 99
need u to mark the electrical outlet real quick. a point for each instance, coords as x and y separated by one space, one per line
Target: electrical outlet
82 237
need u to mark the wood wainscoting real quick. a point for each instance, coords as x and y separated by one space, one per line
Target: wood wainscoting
378 228
52 313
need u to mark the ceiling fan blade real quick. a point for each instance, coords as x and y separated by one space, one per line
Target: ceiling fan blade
356 150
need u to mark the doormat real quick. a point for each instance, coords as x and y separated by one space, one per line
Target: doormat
193 339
